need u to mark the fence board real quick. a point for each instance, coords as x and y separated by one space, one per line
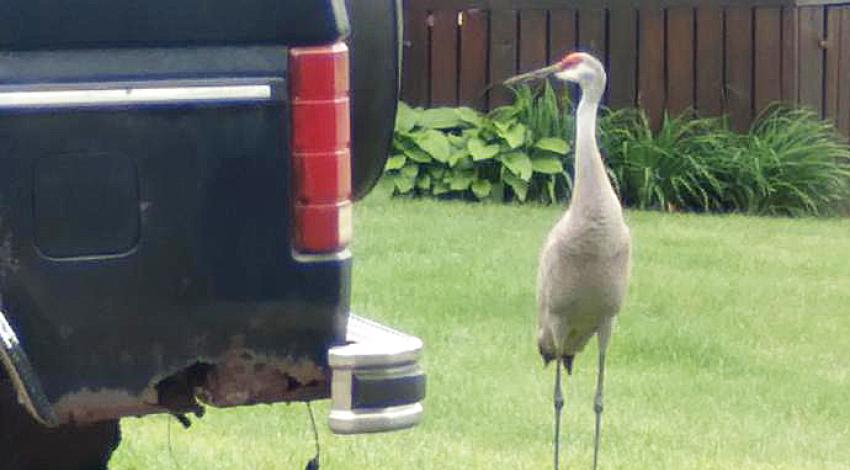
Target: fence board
473 59
562 33
562 36
622 56
811 57
651 84
709 60
444 58
680 51
768 57
502 53
414 88
591 37
832 46
790 55
532 39
591 31
843 119
739 66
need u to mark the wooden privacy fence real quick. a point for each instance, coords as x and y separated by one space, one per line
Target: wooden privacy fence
719 57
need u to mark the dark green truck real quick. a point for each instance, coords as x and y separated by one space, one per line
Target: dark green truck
176 184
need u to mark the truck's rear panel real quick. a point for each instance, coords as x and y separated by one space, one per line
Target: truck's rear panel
147 206
56 24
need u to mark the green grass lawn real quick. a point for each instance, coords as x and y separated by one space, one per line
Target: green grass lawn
733 351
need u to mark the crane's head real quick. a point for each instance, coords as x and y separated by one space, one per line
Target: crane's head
576 67
581 68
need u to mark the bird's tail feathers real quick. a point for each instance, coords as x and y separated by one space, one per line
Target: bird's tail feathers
568 364
566 360
545 355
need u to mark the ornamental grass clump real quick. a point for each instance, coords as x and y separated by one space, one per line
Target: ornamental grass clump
672 169
790 163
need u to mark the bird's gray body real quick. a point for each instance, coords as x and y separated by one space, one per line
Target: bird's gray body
582 275
584 265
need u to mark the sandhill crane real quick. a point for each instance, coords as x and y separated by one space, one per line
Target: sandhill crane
584 264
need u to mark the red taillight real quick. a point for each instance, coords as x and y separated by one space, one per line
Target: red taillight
321 147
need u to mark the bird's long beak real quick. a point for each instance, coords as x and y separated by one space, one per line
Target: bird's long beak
533 75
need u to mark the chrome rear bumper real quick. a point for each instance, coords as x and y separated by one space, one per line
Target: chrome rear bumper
377 384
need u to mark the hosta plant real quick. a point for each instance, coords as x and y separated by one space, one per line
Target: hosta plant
514 152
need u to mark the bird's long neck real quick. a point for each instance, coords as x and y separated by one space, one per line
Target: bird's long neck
591 181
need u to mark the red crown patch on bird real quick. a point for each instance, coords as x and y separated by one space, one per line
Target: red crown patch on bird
569 61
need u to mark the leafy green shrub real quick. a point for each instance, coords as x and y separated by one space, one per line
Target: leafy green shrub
790 163
672 169
515 152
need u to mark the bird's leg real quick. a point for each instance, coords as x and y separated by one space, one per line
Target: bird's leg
559 404
597 401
